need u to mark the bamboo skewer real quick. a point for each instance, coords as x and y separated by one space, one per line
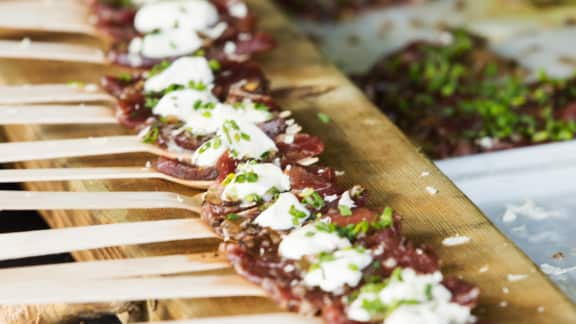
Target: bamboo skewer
29 200
67 174
54 241
87 291
57 114
52 94
276 318
46 16
50 51
53 149
110 269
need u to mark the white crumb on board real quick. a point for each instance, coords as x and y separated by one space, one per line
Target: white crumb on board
540 309
516 277
455 240
91 87
505 290
503 304
431 190
424 174
484 269
25 43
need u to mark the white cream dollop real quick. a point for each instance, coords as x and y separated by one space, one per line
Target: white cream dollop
246 111
283 213
180 103
344 268
246 140
182 72
188 15
269 177
166 43
207 154
310 240
429 301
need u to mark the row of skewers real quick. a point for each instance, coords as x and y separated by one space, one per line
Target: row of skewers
206 112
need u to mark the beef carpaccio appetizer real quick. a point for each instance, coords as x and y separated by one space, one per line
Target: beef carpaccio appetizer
287 225
217 114
144 33
456 97
317 250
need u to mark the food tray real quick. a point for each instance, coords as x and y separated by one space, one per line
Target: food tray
359 139
540 39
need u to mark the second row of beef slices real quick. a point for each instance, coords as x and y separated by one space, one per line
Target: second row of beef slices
457 97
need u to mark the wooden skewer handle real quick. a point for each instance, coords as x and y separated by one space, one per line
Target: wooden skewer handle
68 174
45 115
82 291
61 313
26 50
52 93
45 16
53 241
109 269
29 200
276 318
54 149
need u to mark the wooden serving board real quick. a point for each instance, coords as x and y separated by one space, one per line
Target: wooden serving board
360 140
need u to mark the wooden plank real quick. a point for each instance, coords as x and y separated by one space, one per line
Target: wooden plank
359 140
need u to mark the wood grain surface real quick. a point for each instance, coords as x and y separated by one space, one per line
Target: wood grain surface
360 140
